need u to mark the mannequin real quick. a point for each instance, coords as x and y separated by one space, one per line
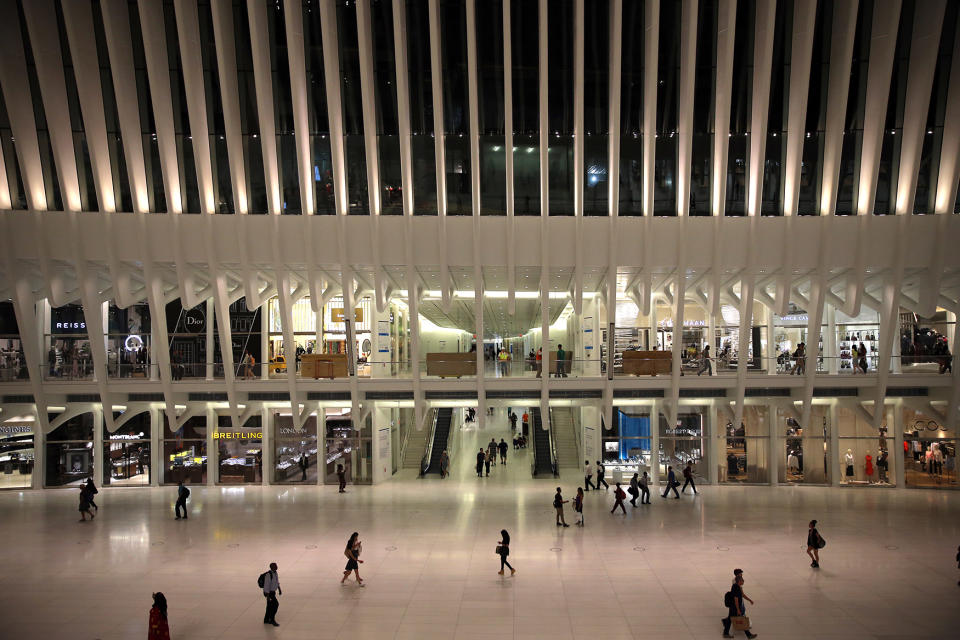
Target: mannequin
848 460
792 463
868 467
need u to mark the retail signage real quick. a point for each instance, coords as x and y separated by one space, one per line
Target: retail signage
126 436
194 321
668 322
336 314
383 333
15 429
237 435
67 319
133 343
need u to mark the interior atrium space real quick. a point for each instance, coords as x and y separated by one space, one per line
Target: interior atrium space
277 271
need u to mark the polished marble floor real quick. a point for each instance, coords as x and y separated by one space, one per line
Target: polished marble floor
888 570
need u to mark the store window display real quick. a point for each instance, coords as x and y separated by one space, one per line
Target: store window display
185 451
13 364
70 451
683 443
126 452
67 345
295 450
16 452
128 342
858 341
188 340
930 452
804 459
347 446
239 451
626 447
747 446
866 454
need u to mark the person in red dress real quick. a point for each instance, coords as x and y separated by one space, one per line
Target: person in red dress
159 630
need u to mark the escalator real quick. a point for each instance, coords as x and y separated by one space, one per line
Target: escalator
441 433
542 450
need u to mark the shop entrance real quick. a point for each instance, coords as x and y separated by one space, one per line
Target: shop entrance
930 463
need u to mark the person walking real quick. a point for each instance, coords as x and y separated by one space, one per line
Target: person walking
801 357
182 494
588 476
705 364
85 498
526 423
733 600
671 483
558 503
600 479
480 459
492 450
688 478
92 491
561 356
814 544
618 496
490 456
503 550
270 583
342 477
444 464
634 489
645 488
539 362
354 547
503 449
304 465
159 629
578 506
513 421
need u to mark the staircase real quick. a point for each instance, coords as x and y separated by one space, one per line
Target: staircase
416 445
541 446
565 436
444 418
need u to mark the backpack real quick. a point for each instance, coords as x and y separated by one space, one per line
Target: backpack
557 502
728 599
262 578
186 493
620 494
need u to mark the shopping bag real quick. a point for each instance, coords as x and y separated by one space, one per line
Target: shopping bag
740 623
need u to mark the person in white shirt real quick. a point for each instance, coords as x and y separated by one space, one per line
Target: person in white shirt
271 589
588 476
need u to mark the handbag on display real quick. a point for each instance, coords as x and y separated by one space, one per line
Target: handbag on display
740 623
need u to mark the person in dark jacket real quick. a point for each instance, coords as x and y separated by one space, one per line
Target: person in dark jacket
814 543
736 608
182 494
159 629
600 479
503 550
85 498
671 484
688 479
342 478
92 491
503 448
480 459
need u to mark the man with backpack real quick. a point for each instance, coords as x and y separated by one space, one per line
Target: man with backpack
182 494
671 484
618 496
269 581
733 601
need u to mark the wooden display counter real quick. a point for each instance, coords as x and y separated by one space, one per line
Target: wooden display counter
452 365
647 363
323 365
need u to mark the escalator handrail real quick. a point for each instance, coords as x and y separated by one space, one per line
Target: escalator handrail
533 444
554 463
425 460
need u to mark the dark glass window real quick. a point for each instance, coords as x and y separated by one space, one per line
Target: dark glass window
490 112
560 106
631 110
849 180
596 107
525 75
741 96
811 165
317 114
283 113
421 110
456 116
704 90
385 86
775 149
668 92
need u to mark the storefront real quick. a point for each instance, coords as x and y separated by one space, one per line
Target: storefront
295 450
866 455
789 332
67 345
346 446
851 333
128 342
69 451
683 443
627 446
185 451
13 364
930 452
126 453
188 340
239 451
804 454
747 447
16 452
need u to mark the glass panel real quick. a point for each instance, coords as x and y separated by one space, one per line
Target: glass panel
239 451
295 451
16 452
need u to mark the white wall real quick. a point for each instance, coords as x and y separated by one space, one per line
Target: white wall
431 336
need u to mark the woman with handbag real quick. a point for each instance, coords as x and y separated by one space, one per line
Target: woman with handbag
503 550
814 544
352 552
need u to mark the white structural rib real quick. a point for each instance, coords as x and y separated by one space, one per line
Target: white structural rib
436 78
45 43
474 107
578 170
804 24
222 13
543 111
508 156
158 72
613 204
116 27
651 40
406 178
947 179
762 62
726 33
927 23
843 36
293 18
883 44
263 78
688 64
4 187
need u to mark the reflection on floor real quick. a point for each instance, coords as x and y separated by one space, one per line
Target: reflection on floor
658 572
